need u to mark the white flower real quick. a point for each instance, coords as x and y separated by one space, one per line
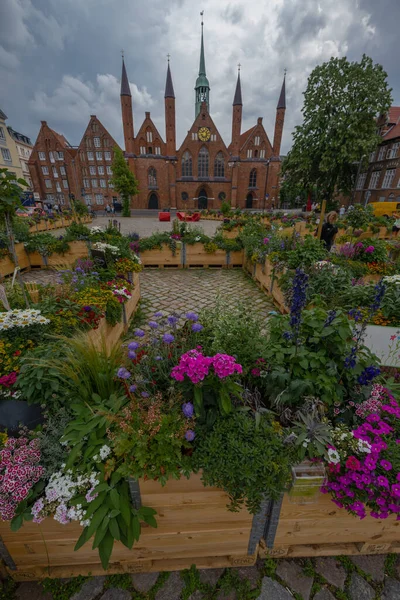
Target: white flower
96 229
102 246
21 318
104 451
333 456
392 279
364 446
305 444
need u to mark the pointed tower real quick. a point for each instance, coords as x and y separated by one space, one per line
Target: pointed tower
237 116
169 101
127 114
202 88
280 119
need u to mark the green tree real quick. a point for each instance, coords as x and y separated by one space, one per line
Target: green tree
341 104
10 200
124 181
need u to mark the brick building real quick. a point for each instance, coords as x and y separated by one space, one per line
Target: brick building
380 182
201 173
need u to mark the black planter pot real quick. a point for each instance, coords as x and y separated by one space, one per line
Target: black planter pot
18 412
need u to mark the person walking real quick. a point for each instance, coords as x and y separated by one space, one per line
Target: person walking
342 211
396 225
108 209
329 230
56 208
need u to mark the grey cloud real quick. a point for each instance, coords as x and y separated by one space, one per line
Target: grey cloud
233 13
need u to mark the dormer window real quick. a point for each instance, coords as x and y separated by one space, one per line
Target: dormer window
149 136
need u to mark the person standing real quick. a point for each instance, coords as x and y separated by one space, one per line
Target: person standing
396 225
342 211
56 208
329 230
108 209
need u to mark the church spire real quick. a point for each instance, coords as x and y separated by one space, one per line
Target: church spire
237 100
169 88
202 88
125 89
282 97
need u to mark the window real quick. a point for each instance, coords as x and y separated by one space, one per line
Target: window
103 183
213 137
99 198
6 154
194 136
152 176
92 170
88 142
107 155
94 183
249 153
65 184
61 197
48 183
62 171
50 197
221 196
109 170
253 178
262 153
55 172
97 143
100 170
202 162
86 183
219 165
388 179
51 155
90 156
373 184
255 153
60 155
185 196
88 200
150 150
58 186
142 149
157 150
257 140
99 156
149 136
45 170
395 149
82 155
106 142
2 134
42 155
398 183
110 184
361 181
187 170
94 127
381 153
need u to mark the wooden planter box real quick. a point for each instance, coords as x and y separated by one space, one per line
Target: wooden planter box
111 334
194 527
230 235
235 259
263 275
6 264
323 529
77 249
371 278
196 256
162 258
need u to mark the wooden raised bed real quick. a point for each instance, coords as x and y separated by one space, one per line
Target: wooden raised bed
77 249
111 334
323 529
6 264
194 527
196 256
163 258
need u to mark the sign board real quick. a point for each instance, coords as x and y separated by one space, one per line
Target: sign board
36 196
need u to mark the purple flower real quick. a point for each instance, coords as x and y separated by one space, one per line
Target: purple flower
158 314
139 333
87 308
265 240
145 394
132 388
132 354
369 249
188 409
190 435
158 358
192 316
197 327
153 324
385 464
172 320
123 373
168 338
382 481
133 346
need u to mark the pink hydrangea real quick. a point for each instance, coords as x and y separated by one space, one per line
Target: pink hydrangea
196 366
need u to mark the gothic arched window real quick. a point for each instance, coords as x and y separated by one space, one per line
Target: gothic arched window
152 177
253 178
202 162
187 170
219 165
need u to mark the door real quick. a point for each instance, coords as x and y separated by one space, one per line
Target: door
249 201
202 200
153 201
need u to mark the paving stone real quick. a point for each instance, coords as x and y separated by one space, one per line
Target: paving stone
359 589
272 590
90 589
373 565
391 591
210 576
292 574
116 594
324 594
334 573
143 582
232 595
172 589
31 590
252 575
197 595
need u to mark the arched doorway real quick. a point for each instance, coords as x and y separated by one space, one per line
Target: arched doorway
202 200
153 201
249 201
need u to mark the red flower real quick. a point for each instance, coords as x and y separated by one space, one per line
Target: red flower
255 372
353 463
17 352
8 380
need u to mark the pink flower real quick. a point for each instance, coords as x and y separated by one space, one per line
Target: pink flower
385 464
353 463
255 372
8 380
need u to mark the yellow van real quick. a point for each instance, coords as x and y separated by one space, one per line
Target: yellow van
383 209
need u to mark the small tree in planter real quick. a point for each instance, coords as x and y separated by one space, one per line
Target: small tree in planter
124 181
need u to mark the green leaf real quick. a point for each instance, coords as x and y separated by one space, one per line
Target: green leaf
150 520
100 533
126 511
114 495
83 538
97 519
114 513
114 529
105 549
198 400
94 505
16 523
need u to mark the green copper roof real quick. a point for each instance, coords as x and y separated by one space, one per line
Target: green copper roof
202 68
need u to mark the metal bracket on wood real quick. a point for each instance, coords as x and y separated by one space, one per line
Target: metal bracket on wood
6 556
135 493
272 521
258 525
228 258
183 254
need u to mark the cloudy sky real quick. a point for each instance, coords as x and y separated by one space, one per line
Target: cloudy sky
60 60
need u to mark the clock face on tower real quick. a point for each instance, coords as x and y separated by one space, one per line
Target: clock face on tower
204 134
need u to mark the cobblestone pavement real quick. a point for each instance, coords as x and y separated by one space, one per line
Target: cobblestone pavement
343 578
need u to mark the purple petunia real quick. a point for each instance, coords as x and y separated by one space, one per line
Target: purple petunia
123 373
168 338
190 435
192 316
197 327
87 308
158 358
188 409
132 354
133 346
153 324
132 388
145 394
158 314
139 333
172 320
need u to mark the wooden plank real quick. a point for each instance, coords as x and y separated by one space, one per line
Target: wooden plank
157 257
196 255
